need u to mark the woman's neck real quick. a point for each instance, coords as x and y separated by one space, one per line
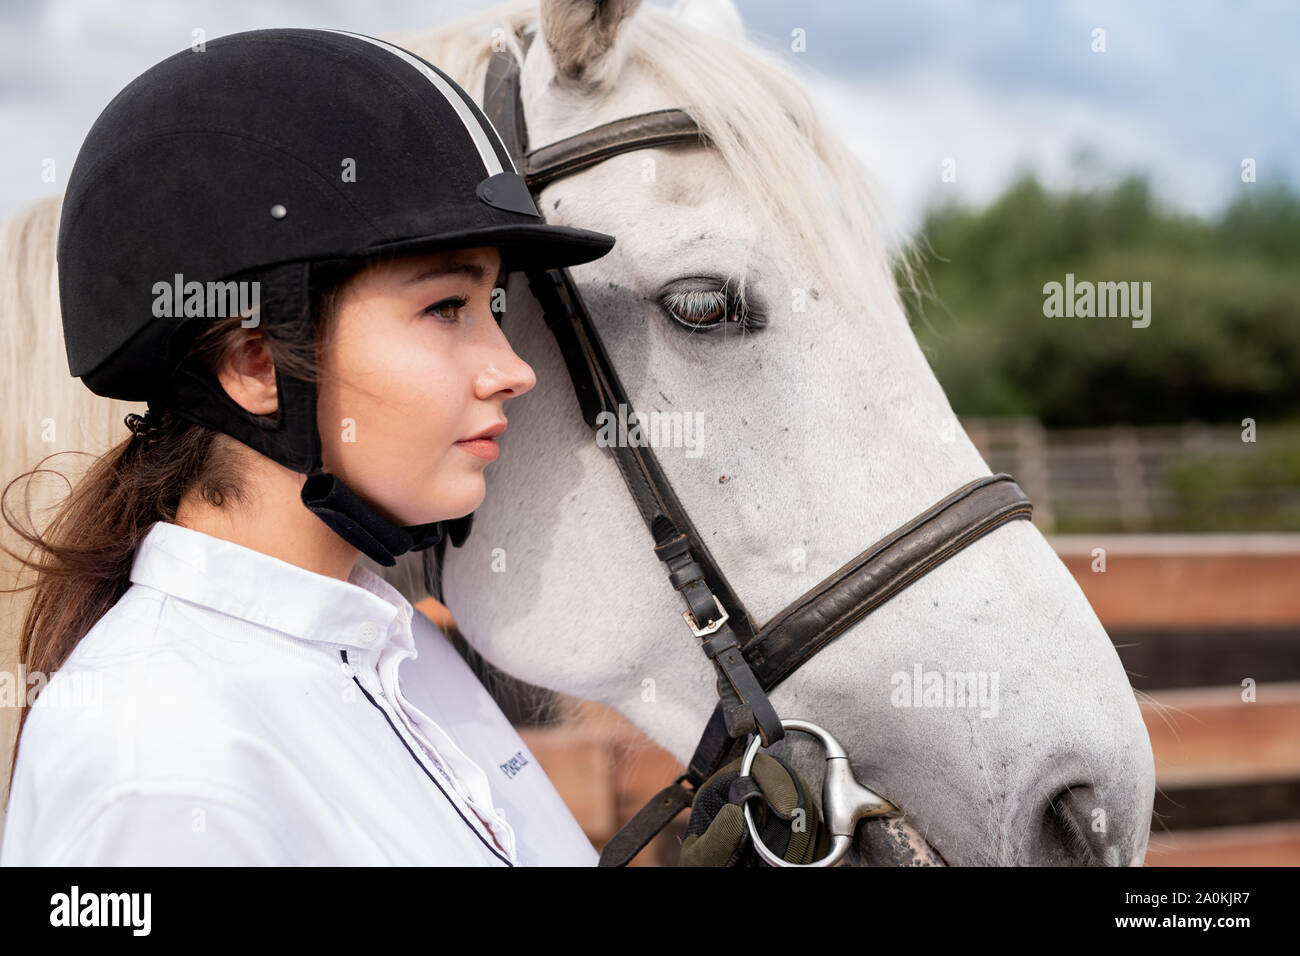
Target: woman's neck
273 520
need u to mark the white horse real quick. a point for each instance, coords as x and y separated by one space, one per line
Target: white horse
830 430
827 423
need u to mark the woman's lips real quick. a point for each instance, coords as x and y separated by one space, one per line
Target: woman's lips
485 448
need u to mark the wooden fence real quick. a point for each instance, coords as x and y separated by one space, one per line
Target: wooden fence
1194 617
1122 478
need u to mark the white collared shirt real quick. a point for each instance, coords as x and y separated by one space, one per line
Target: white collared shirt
232 708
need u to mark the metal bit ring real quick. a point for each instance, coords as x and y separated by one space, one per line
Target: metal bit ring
844 800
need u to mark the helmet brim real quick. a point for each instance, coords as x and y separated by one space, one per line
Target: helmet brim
524 247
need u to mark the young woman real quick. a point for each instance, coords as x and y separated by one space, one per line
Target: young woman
224 681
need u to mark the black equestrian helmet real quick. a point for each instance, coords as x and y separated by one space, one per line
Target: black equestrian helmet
274 146
268 157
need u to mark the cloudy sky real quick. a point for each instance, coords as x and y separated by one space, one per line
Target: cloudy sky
1184 90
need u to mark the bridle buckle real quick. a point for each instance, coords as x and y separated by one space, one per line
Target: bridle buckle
714 623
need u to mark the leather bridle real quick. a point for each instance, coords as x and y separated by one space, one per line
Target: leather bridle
750 660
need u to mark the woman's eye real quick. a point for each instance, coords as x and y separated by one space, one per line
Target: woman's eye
702 309
456 303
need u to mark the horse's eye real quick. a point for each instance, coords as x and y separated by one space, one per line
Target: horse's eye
703 309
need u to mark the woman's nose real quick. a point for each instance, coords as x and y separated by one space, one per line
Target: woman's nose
505 370
522 372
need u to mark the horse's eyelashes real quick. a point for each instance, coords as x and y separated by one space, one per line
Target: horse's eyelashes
697 306
701 309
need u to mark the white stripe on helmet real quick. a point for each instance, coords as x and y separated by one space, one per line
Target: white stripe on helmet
467 117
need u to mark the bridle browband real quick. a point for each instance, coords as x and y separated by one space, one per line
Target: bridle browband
750 660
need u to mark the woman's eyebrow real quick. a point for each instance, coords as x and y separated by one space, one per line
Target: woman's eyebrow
471 269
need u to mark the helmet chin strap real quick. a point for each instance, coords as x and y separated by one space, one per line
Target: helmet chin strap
292 439
356 522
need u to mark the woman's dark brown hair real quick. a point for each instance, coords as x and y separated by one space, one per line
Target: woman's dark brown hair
82 558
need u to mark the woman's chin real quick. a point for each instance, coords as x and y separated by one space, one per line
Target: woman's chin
458 506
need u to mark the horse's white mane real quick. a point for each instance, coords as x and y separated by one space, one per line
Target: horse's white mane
762 125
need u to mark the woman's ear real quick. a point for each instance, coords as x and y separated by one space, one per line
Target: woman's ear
248 375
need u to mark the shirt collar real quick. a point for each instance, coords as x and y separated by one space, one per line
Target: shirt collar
365 612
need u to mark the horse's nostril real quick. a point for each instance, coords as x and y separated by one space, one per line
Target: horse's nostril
1075 822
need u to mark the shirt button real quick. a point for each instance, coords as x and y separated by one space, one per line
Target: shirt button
347 670
368 631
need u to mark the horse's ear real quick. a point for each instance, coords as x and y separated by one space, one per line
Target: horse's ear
718 18
581 35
